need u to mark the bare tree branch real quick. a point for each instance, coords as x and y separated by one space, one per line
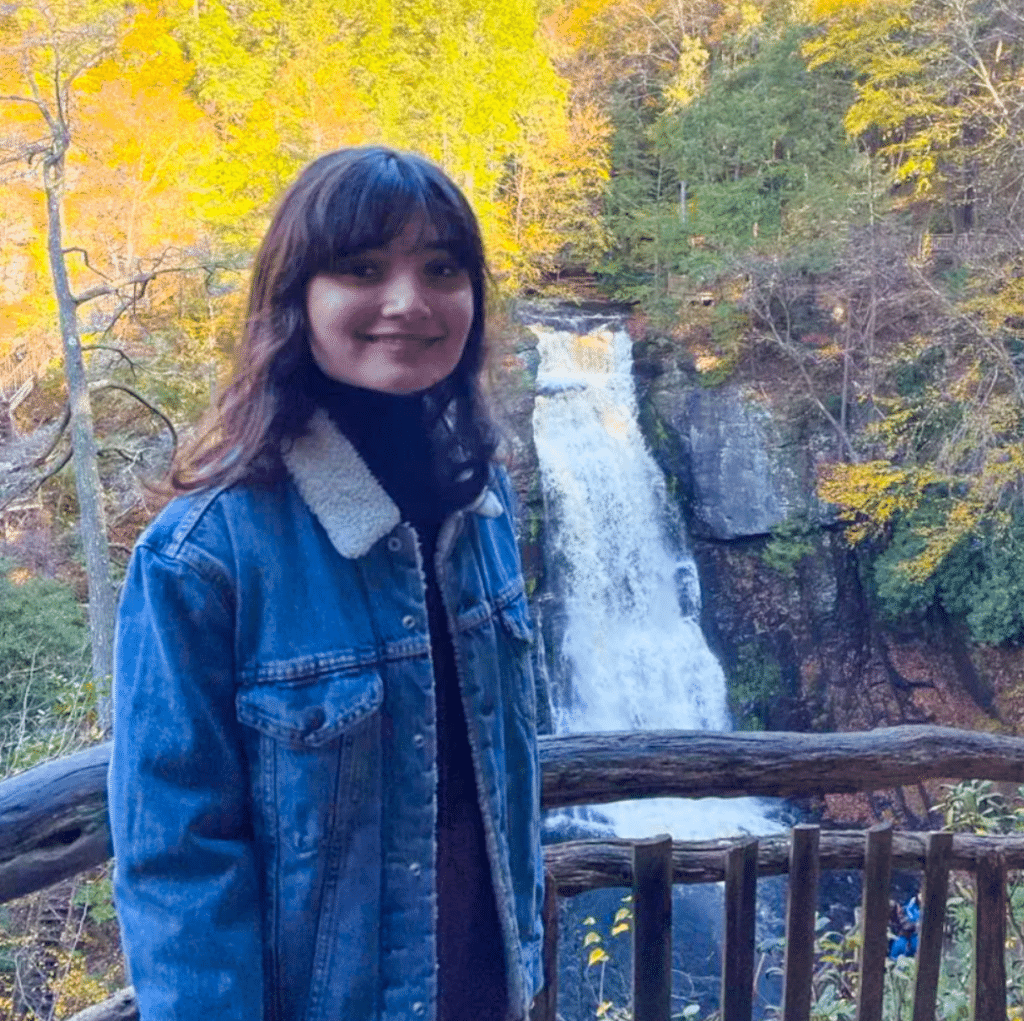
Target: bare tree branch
110 347
19 99
61 428
123 454
106 384
38 481
141 280
85 259
53 471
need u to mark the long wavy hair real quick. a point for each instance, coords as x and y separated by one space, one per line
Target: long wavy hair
343 203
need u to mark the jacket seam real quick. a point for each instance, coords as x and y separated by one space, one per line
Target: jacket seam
190 519
201 568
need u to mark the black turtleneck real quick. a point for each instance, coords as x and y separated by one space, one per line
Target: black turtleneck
391 435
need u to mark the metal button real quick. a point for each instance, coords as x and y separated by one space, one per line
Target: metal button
414 868
418 1008
394 544
418 740
409 621
314 720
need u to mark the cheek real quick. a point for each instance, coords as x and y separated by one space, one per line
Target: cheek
462 313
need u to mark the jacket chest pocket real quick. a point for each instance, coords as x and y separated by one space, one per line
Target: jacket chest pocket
516 637
318 753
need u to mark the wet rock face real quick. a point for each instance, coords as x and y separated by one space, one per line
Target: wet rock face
745 467
512 386
782 603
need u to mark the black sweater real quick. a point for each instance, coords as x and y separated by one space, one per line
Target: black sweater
390 435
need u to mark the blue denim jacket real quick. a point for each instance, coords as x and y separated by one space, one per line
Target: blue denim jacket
273 778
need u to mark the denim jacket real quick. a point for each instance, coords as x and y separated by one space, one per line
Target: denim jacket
273 778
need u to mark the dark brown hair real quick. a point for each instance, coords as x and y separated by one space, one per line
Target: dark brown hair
343 203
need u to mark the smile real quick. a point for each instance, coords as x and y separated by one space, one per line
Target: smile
399 338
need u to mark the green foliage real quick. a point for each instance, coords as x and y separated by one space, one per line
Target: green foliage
755 686
763 152
42 634
899 595
791 542
975 806
980 582
97 896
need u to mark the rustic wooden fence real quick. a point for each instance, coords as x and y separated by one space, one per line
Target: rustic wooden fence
53 825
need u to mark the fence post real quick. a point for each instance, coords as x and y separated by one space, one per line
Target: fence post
652 929
874 921
545 1006
740 922
938 850
990 939
801 909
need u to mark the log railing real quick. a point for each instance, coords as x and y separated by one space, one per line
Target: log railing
53 825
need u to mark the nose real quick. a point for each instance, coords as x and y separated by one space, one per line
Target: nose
404 295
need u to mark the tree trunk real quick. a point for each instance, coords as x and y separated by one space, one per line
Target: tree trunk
92 520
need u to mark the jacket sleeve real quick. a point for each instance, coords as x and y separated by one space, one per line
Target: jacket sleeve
185 879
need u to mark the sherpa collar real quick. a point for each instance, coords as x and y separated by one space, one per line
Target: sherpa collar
343 493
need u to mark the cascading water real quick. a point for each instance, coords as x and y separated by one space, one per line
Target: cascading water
630 655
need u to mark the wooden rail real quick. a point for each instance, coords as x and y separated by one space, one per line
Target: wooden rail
53 825
53 820
590 769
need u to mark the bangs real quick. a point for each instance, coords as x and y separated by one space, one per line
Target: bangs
372 202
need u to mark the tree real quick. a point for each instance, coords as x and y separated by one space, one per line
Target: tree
470 84
63 70
940 107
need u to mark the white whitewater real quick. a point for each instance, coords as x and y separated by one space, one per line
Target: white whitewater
632 647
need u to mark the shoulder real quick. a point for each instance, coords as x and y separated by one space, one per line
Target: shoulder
207 519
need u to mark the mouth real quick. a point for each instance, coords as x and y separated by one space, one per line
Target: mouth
399 339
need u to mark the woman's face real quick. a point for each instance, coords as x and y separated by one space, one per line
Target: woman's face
392 319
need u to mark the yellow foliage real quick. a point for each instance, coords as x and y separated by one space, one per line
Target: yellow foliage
871 494
961 521
689 79
76 989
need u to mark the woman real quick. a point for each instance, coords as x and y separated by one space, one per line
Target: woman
324 785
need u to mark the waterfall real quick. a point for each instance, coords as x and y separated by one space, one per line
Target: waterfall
630 654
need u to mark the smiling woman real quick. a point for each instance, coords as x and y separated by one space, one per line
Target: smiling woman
392 319
324 786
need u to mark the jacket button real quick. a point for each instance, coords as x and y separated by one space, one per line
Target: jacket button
418 740
314 721
414 868
418 1008
408 622
394 544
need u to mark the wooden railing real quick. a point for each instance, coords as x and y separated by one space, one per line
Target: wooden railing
53 825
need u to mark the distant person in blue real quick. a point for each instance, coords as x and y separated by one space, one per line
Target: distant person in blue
903 922
324 785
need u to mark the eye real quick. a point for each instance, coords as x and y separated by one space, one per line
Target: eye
360 268
445 269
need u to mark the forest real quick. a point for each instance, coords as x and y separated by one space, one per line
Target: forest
831 187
